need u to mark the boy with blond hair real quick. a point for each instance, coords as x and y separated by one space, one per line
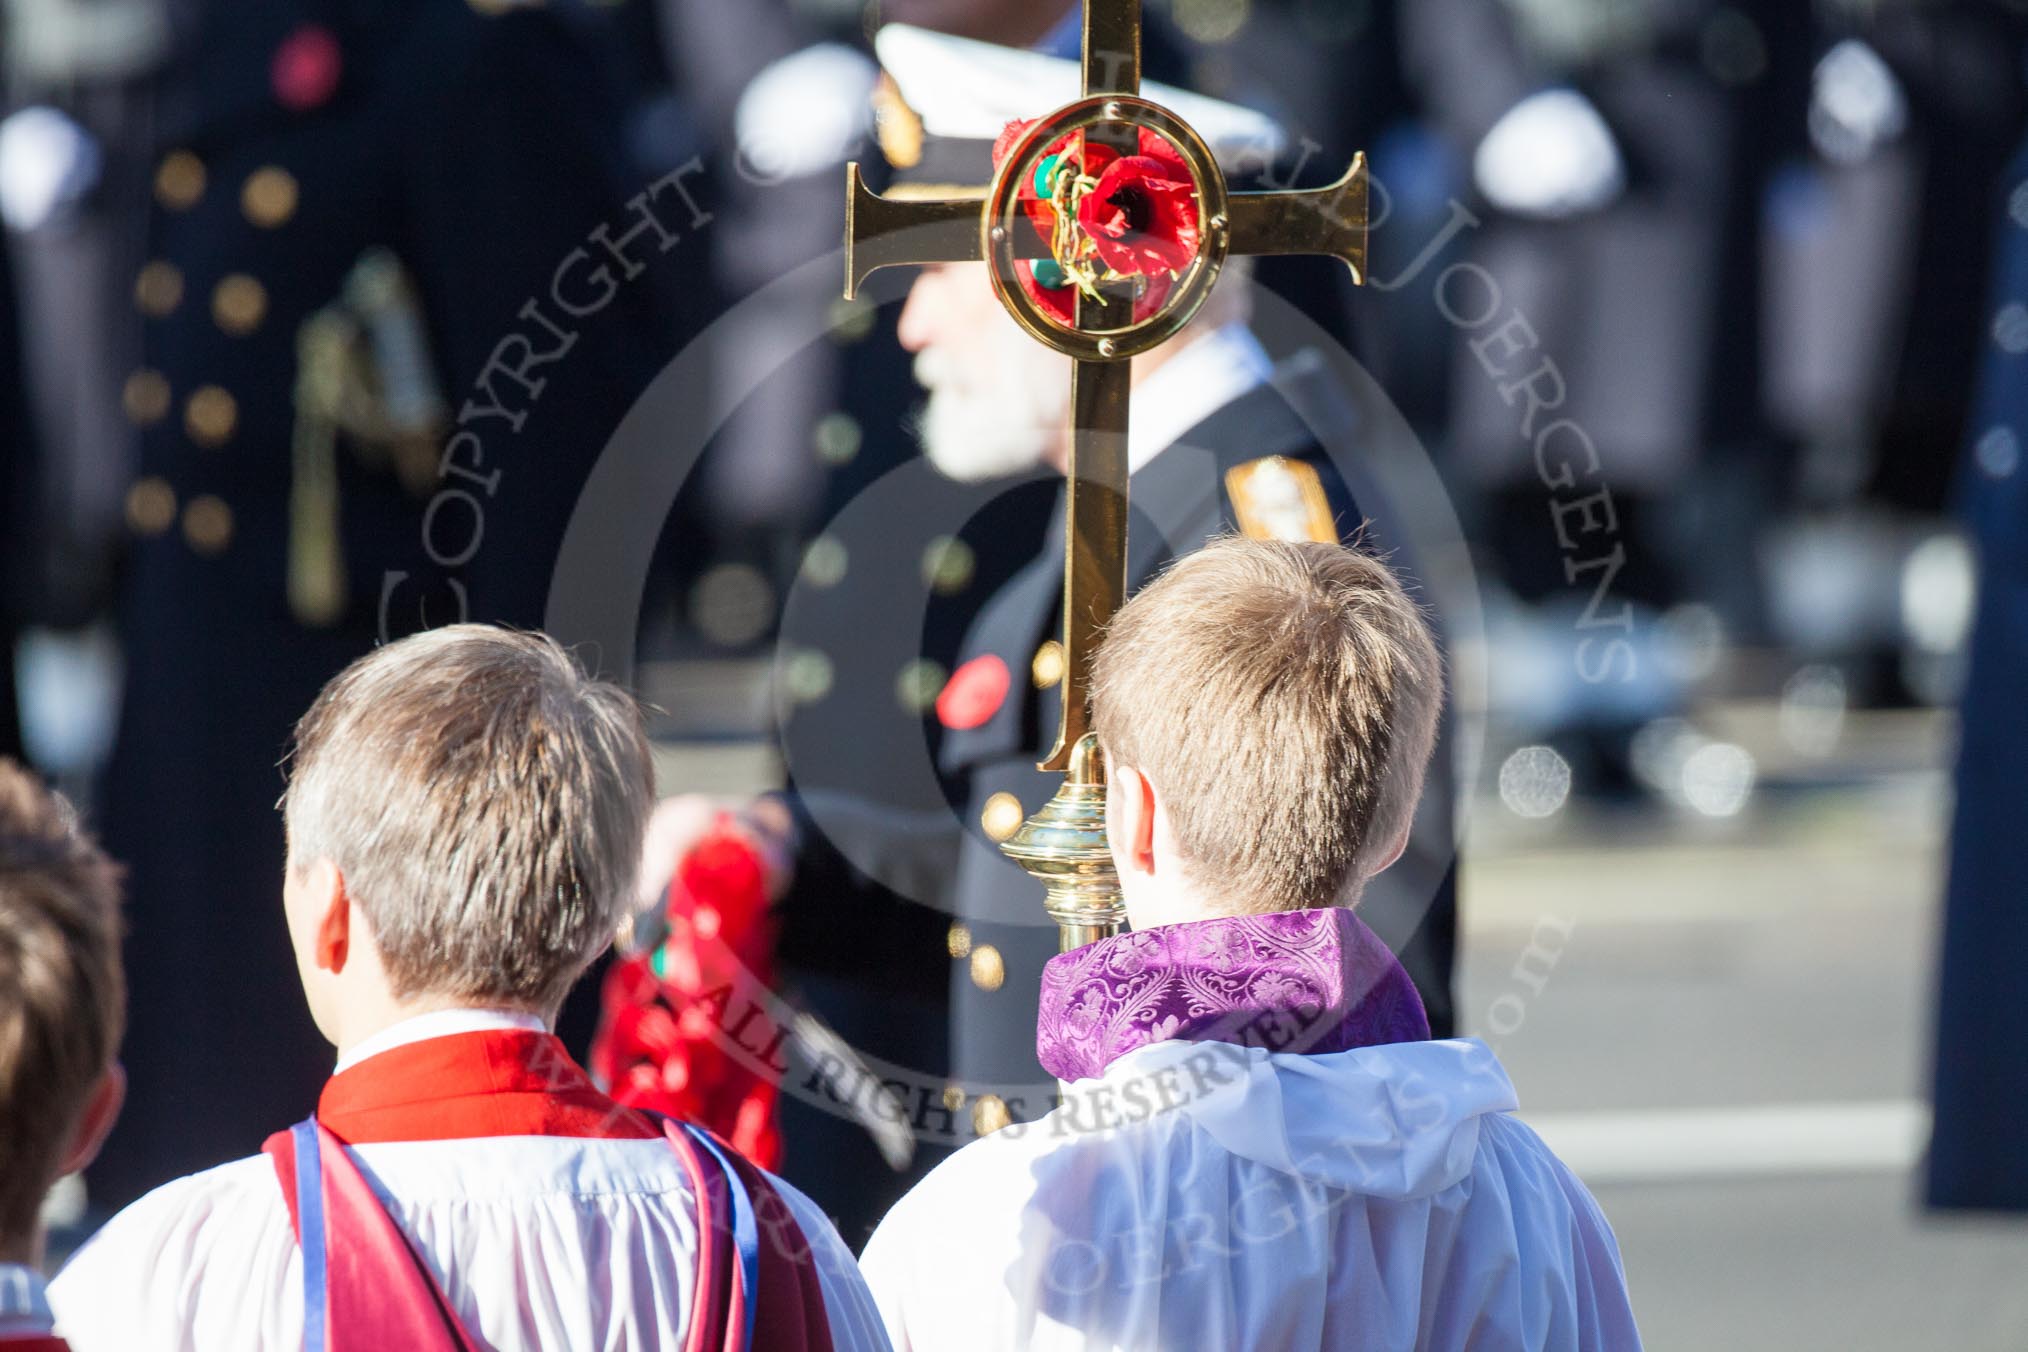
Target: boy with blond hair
1258 1145
465 815
62 1004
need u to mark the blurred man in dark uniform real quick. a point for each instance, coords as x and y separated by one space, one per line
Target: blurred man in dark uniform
75 164
1954 72
1623 151
781 94
397 292
1877 272
1978 1156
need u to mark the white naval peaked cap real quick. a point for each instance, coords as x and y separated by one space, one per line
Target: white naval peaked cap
971 90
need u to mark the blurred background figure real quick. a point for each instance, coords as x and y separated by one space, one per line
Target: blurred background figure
1976 1160
1878 264
73 194
1619 156
278 256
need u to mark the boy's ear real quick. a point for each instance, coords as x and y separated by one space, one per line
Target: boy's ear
1130 795
1395 849
333 910
101 1110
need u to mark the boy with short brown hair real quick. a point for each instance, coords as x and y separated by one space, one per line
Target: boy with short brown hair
464 816
1285 695
62 1007
1258 1145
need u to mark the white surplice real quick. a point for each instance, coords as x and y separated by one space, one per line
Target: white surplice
1201 1195
548 1242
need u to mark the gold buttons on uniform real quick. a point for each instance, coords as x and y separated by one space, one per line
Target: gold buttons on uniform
947 565
918 685
158 289
805 676
988 968
1210 21
851 320
145 397
238 304
989 1114
151 506
179 180
207 524
1047 668
954 1097
836 437
824 561
1002 816
269 196
210 416
959 939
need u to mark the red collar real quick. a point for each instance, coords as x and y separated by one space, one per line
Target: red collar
499 1082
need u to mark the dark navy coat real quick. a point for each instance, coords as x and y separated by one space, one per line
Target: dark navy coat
1979 1153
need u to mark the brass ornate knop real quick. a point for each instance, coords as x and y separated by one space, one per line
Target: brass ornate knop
1064 848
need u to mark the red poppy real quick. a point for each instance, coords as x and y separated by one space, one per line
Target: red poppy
1142 216
1070 151
1061 301
977 689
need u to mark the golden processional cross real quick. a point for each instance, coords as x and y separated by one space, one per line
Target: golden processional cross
1064 845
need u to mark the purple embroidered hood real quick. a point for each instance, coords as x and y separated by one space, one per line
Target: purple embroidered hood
1289 981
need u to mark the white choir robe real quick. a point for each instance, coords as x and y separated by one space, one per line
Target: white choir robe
1204 1195
549 1241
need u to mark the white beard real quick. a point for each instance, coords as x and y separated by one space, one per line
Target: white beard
996 410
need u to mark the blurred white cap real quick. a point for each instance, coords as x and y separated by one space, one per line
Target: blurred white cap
971 90
1550 156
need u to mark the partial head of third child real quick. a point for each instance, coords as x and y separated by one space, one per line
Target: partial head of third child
62 1003
1267 710
465 813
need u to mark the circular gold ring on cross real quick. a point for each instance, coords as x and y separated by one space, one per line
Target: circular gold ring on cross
1004 218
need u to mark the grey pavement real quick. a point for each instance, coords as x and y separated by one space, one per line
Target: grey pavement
1727 1025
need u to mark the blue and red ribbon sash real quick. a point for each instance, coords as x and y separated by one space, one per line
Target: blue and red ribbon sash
364 1283
366 1286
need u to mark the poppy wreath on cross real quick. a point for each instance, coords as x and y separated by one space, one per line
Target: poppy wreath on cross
1106 217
